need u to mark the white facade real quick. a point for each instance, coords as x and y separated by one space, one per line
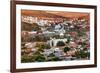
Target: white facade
53 42
30 19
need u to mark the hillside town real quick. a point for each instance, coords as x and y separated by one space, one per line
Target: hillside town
54 36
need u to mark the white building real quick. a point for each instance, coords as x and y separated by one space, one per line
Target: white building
31 20
53 42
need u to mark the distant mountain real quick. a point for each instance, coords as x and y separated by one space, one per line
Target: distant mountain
39 13
54 14
71 14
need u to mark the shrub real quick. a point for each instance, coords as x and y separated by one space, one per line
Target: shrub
80 33
66 49
40 58
82 54
25 59
42 46
54 59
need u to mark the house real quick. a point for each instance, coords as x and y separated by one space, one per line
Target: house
53 41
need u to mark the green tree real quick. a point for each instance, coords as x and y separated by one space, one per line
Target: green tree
40 58
66 49
82 54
